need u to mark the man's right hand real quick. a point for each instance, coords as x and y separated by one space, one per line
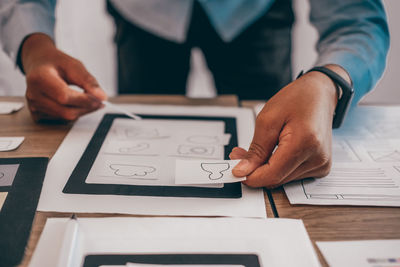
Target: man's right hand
48 74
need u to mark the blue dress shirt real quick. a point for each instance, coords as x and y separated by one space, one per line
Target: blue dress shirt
352 33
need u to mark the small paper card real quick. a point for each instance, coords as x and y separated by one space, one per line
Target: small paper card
10 143
205 171
10 107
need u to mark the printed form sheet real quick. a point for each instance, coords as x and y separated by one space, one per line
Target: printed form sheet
180 241
112 164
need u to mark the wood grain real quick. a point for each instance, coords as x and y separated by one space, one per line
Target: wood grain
42 140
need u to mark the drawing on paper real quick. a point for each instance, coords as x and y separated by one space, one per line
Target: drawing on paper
1 175
215 170
385 156
342 151
397 168
369 178
195 150
133 149
203 139
142 133
136 171
5 144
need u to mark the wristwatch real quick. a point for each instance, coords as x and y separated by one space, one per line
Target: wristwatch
345 92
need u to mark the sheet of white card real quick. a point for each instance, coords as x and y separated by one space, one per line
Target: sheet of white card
251 204
10 107
269 239
10 143
365 253
205 171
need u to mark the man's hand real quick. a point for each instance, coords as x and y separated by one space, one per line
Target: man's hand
293 134
48 74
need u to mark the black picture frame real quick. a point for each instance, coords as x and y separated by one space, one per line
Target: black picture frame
18 211
247 260
76 182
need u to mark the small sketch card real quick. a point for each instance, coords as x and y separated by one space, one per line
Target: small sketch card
10 143
10 107
205 171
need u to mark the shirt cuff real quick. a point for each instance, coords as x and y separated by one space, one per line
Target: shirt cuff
22 21
356 68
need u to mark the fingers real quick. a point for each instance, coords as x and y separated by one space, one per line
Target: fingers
287 157
76 73
237 153
264 141
44 107
306 170
48 95
297 156
55 88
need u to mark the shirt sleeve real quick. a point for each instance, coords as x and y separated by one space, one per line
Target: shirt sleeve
353 34
20 18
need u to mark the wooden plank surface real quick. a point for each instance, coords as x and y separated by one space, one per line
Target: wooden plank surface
338 223
43 140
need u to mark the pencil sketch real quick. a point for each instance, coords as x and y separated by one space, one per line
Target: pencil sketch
343 178
215 170
133 149
203 139
195 150
397 168
342 151
385 156
127 170
142 133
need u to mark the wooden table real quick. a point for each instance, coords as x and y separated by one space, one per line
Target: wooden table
337 223
42 140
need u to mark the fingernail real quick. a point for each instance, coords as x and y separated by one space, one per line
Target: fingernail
242 166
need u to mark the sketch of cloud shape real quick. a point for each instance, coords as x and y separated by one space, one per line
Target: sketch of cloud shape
215 170
127 170
195 150
135 148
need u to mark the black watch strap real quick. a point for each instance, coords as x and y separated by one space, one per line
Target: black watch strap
345 93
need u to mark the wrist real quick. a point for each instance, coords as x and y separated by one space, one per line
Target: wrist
326 89
34 47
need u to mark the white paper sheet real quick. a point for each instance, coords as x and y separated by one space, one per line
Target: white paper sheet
206 171
251 204
10 107
271 240
366 253
10 143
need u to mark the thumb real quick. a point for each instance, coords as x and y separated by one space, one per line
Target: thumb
76 73
264 141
